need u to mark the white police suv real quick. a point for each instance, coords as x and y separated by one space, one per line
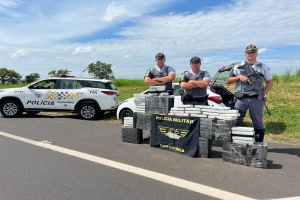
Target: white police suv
87 97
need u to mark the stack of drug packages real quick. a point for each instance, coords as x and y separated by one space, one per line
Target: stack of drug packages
141 120
155 93
157 88
203 111
129 134
215 124
139 102
159 103
225 121
156 101
244 150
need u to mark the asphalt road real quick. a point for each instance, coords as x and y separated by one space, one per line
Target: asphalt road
30 172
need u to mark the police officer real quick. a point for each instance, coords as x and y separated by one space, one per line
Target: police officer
194 83
161 74
249 77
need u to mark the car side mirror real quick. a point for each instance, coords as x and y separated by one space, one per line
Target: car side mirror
30 87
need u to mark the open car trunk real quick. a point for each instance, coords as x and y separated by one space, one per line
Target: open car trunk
219 86
227 96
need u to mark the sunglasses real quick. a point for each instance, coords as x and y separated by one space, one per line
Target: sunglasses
159 58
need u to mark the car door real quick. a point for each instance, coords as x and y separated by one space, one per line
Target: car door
41 95
68 94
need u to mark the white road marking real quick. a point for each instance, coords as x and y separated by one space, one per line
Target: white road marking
288 198
178 182
46 142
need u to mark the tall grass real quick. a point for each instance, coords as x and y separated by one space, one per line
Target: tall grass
129 83
297 74
276 78
287 77
13 86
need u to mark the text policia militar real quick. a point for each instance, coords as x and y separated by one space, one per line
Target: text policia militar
175 119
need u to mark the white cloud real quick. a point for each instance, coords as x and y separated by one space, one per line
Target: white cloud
218 36
263 50
82 49
9 3
223 28
6 8
114 11
68 20
127 56
19 53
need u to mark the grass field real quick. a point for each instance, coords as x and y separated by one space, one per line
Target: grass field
283 101
128 87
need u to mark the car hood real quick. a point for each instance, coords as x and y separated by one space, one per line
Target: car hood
130 99
10 89
6 89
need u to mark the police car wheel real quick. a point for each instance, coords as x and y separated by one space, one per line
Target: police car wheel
88 111
125 113
10 109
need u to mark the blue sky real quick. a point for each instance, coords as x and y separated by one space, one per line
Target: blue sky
39 36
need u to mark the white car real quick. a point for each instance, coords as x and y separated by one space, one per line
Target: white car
127 107
87 97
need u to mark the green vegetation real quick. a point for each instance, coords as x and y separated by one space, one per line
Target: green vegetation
100 70
31 78
129 83
8 76
13 86
58 73
283 101
128 87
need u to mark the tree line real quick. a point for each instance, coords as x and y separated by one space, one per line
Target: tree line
98 70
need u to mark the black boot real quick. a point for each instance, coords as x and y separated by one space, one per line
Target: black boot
259 135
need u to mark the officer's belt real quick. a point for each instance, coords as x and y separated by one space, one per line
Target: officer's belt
250 96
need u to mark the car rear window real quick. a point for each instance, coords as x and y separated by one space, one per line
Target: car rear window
98 84
112 86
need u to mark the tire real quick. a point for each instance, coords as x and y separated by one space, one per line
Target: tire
88 111
125 113
32 113
10 109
